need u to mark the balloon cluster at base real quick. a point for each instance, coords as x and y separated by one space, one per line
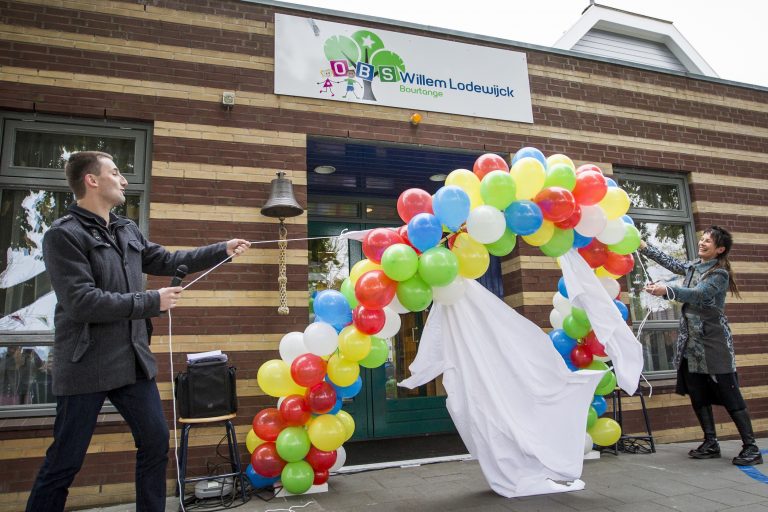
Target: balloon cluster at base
446 238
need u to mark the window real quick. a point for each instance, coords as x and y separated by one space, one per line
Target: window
34 193
662 212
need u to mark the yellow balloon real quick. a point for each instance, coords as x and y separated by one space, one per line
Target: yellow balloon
360 268
469 183
615 203
553 160
348 421
274 378
327 432
542 235
252 441
353 344
529 175
342 371
601 272
472 255
605 432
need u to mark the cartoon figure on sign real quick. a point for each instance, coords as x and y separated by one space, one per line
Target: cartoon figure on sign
326 83
351 83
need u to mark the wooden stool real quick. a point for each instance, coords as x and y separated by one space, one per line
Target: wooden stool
234 455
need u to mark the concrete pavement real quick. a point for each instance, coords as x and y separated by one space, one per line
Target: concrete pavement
665 481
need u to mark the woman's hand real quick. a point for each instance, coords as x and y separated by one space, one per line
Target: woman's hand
656 289
643 245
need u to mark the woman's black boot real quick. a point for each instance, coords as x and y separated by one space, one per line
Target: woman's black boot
750 453
709 449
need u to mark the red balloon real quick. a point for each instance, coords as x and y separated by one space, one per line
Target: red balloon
321 398
319 459
412 202
377 241
557 204
266 461
403 232
295 411
618 264
594 346
571 221
374 289
368 321
590 188
321 477
581 357
487 163
268 424
308 369
595 254
588 167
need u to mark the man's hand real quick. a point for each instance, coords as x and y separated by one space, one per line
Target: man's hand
169 297
237 246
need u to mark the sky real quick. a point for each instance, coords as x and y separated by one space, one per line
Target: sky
728 35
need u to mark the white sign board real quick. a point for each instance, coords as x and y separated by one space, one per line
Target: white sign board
333 61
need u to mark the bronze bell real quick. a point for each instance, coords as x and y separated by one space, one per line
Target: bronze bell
281 203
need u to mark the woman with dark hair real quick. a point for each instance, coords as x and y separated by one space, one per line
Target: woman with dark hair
704 358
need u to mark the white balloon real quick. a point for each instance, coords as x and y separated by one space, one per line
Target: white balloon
611 286
556 319
561 304
486 224
391 324
450 293
397 307
588 443
341 459
592 221
321 338
613 233
292 346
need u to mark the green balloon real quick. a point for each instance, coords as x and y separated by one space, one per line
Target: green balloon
596 365
348 291
399 262
560 243
629 243
503 245
438 266
574 328
378 354
498 189
591 417
581 316
297 477
561 175
414 294
607 384
292 444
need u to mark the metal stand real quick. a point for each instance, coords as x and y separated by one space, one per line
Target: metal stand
635 443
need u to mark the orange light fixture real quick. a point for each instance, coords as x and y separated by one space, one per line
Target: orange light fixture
415 119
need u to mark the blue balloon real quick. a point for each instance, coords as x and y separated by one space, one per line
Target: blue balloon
332 307
523 217
561 287
580 240
451 206
600 405
563 343
628 220
570 364
532 153
258 481
424 231
610 183
622 308
347 391
337 405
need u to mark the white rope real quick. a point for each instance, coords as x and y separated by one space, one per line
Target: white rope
173 398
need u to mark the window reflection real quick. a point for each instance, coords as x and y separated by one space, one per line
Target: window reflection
25 376
49 150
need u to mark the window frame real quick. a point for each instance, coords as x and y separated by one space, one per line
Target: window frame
17 178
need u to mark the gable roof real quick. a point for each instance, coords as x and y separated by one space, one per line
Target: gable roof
621 35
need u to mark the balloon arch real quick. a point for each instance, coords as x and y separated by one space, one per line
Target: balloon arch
447 238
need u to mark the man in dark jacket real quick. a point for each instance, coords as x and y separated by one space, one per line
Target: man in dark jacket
96 261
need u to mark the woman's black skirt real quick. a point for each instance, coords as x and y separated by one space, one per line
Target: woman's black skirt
720 389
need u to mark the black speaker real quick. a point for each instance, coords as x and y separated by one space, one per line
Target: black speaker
206 389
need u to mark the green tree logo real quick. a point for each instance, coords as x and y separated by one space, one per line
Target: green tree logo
366 47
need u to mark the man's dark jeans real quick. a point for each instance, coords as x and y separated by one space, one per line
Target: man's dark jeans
76 416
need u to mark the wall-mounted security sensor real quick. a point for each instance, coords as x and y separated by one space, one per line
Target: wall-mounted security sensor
228 98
